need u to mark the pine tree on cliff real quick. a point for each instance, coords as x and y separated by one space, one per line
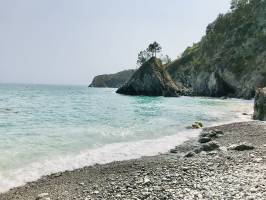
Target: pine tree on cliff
235 4
145 55
154 48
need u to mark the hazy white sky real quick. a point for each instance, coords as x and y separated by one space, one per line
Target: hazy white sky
71 41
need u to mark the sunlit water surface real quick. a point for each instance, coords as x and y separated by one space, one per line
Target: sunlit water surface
47 129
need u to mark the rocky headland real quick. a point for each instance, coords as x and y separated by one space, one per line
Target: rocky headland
231 164
229 61
230 58
112 80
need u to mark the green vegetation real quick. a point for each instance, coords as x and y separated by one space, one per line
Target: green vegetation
112 80
230 60
234 48
143 56
151 51
154 48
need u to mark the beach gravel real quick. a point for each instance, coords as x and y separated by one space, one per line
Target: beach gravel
219 173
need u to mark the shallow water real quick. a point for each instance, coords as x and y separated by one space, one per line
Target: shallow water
46 129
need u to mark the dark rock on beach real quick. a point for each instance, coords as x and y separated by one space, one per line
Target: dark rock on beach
210 146
211 134
204 139
241 147
260 104
151 79
189 154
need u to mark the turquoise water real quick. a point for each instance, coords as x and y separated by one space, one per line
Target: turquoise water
46 129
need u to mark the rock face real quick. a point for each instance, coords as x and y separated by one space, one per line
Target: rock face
112 80
260 104
151 79
230 58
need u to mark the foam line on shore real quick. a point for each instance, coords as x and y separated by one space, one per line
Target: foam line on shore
105 154
102 155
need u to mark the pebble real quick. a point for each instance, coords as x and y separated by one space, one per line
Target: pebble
42 196
209 175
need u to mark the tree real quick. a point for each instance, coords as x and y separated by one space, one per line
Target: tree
235 4
151 51
154 48
143 56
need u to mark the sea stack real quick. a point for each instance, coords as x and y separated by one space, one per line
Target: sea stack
260 104
151 79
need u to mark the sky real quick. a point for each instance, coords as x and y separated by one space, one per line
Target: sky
71 41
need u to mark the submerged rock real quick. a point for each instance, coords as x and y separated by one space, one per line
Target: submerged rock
151 79
260 104
197 125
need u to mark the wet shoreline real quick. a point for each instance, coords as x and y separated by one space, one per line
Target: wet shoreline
221 173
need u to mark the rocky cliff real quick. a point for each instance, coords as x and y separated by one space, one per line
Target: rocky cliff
260 104
112 80
151 79
230 60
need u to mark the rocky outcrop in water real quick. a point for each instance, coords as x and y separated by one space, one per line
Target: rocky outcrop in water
112 80
151 79
230 58
260 104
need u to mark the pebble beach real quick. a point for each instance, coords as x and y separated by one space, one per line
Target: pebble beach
231 164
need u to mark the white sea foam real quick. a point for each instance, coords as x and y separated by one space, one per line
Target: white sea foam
105 154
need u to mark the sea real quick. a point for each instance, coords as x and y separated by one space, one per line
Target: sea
46 129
